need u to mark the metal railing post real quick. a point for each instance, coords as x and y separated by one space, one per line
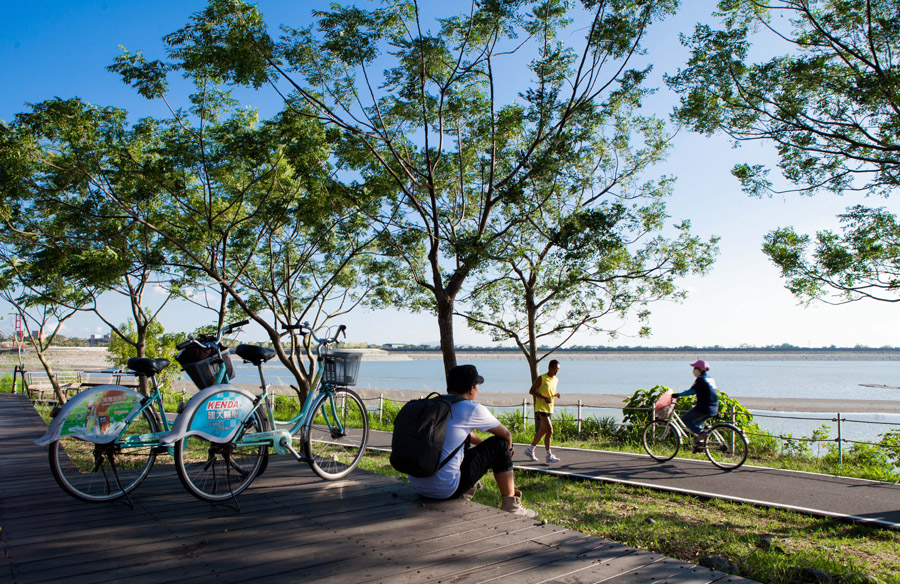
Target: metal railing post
380 408
524 414
579 419
840 441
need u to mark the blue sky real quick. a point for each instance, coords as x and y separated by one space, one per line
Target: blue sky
61 49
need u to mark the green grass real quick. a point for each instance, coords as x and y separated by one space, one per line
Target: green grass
767 545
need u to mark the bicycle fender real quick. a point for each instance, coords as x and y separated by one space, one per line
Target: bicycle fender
214 413
96 415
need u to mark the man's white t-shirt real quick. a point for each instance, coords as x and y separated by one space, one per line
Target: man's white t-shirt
465 416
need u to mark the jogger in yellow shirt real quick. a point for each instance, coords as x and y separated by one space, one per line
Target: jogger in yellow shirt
544 391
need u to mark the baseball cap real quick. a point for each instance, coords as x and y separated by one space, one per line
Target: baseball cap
701 364
462 377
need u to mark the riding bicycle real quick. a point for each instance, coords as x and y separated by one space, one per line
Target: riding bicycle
104 440
223 436
725 445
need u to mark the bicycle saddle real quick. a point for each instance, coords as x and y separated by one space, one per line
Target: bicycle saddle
145 366
254 353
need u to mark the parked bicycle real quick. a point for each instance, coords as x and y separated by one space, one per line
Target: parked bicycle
104 440
725 445
224 435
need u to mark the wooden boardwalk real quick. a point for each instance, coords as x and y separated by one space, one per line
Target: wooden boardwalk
292 527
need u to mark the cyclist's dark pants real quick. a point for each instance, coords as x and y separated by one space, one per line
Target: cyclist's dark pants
492 454
695 416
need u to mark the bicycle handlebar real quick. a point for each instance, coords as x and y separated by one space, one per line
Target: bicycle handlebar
222 332
306 329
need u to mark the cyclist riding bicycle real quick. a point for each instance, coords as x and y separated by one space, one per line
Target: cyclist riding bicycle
707 405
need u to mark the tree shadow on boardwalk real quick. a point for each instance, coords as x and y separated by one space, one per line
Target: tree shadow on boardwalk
292 527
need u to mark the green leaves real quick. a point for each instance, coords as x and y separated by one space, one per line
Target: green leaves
831 103
863 261
227 42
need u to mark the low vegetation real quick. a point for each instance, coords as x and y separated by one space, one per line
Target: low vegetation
767 545
879 461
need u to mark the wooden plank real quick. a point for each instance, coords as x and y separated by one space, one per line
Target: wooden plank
571 555
292 527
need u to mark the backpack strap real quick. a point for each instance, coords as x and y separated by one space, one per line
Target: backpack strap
452 398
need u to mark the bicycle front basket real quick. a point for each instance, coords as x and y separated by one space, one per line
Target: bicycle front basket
203 373
341 368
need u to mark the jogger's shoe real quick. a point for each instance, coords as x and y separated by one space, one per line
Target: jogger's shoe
514 505
551 458
529 452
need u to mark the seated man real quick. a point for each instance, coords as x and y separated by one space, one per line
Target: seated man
459 476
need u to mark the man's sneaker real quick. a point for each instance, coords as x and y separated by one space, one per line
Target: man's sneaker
529 452
471 492
514 505
551 458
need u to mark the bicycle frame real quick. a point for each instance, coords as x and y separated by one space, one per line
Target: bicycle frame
153 439
245 404
317 387
680 426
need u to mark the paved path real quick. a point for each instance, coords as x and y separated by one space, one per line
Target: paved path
854 499
293 527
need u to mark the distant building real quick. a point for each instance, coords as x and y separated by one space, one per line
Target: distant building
98 340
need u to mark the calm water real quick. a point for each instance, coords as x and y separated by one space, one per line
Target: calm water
775 379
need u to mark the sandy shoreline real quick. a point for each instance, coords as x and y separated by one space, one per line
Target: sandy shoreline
593 400
94 359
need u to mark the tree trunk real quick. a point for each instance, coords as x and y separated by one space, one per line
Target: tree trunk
445 327
531 310
51 376
141 350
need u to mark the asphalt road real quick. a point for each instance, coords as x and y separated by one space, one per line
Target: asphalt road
857 500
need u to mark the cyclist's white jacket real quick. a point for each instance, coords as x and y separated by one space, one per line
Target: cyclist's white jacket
467 415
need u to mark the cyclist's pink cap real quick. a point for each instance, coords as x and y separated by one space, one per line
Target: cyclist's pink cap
701 365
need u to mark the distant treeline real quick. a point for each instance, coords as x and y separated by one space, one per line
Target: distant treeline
680 349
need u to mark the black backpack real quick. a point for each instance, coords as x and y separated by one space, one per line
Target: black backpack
418 437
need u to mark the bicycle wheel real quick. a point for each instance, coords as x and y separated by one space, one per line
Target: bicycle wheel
336 433
103 472
661 440
217 472
726 446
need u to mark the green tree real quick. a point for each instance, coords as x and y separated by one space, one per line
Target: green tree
437 134
43 301
230 204
831 106
65 231
157 344
591 252
863 261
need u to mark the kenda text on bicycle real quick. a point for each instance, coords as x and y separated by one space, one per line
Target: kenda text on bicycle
707 405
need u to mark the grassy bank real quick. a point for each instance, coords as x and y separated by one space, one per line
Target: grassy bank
768 545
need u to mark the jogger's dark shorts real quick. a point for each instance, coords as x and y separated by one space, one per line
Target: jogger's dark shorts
492 454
